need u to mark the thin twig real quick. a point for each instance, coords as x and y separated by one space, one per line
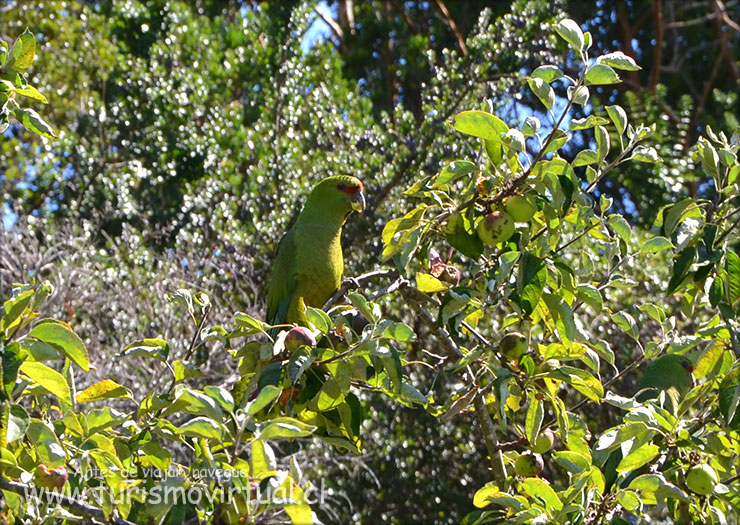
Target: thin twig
353 283
198 328
416 299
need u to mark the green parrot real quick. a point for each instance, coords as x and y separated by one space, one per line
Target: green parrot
309 265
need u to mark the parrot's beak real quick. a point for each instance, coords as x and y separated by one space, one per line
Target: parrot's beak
358 202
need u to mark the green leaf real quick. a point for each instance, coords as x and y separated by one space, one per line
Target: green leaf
638 457
253 326
590 295
267 395
541 489
184 370
619 118
490 494
581 380
14 309
570 32
49 379
573 462
469 244
21 56
399 332
542 91
50 451
619 60
681 265
533 421
657 484
194 402
18 423
11 363
479 124
732 266
105 389
263 462
221 396
365 308
656 244
515 140
453 171
585 157
411 395
531 282
429 284
547 73
587 122
579 95
562 314
614 437
200 427
285 427
627 323
602 142
60 336
600 75
153 348
319 319
32 92
559 139
629 500
620 226
33 121
645 154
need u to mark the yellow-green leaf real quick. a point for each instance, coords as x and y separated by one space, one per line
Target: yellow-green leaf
49 379
105 389
61 337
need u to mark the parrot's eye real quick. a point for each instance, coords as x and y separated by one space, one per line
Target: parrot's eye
342 186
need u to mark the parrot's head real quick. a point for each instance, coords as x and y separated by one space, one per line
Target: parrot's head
342 193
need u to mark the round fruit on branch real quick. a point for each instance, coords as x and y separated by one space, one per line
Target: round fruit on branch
544 441
513 345
520 208
50 479
702 479
299 336
529 464
495 227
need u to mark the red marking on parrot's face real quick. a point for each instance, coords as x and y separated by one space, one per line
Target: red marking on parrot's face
350 189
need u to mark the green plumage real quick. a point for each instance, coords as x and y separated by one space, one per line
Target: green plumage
309 263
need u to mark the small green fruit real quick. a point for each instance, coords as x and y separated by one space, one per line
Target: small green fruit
702 479
513 345
544 442
495 227
529 464
454 224
520 208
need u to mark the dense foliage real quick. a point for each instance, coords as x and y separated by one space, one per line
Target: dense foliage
507 304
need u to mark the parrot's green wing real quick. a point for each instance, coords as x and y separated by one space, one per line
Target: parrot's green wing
283 279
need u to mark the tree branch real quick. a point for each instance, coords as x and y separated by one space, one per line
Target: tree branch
335 28
489 435
72 504
451 22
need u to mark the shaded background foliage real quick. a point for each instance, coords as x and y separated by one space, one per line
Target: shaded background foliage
191 131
